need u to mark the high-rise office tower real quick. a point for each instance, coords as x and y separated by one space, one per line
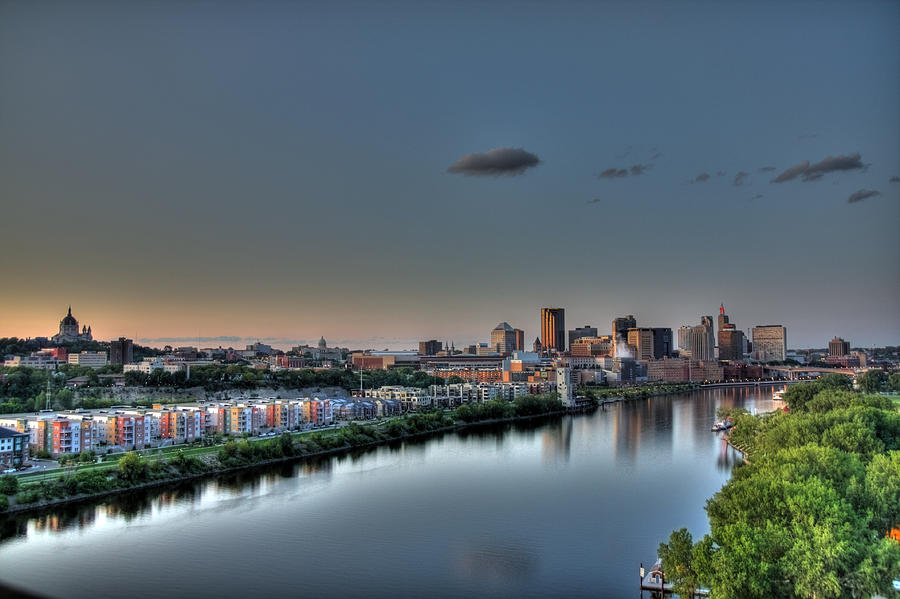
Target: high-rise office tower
520 339
579 332
640 341
731 340
684 341
121 351
703 340
553 329
503 339
769 343
662 342
621 325
429 348
837 347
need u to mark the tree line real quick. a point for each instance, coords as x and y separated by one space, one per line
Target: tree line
809 513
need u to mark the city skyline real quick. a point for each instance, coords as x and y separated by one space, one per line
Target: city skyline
310 170
374 343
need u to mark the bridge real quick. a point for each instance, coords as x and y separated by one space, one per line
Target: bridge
796 372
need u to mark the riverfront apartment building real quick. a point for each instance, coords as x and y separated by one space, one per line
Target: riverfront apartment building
13 448
769 343
102 430
553 329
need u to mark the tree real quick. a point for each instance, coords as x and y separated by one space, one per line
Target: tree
132 468
677 562
9 485
871 381
894 382
836 381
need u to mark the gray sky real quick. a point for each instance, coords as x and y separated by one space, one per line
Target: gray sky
287 170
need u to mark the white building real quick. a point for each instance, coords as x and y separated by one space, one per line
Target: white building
94 359
564 386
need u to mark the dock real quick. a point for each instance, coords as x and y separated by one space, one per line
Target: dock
654 583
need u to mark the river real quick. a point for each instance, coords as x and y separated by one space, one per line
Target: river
565 507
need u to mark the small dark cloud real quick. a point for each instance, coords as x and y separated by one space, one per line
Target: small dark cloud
765 169
792 173
613 173
639 169
895 179
814 172
496 162
862 194
808 136
740 178
758 196
595 201
701 178
721 173
832 164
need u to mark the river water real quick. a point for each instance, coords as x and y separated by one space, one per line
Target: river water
566 507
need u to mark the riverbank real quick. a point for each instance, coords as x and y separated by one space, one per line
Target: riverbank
242 455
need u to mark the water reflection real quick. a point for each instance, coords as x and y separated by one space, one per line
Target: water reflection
469 513
496 561
556 441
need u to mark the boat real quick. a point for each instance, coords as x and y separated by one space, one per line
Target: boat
778 395
723 425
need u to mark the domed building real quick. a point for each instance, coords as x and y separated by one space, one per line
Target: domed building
68 331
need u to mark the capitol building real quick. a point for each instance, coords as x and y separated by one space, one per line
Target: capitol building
68 330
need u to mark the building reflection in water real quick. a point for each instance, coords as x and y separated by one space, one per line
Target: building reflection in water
556 441
728 457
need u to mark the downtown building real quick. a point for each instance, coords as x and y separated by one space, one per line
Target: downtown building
553 329
505 339
769 343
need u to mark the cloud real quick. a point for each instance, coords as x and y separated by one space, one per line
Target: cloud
895 179
832 164
765 169
862 194
595 201
701 178
758 196
613 173
813 172
496 162
808 136
792 173
639 169
740 177
721 173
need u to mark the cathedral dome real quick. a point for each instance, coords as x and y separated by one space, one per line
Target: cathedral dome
69 319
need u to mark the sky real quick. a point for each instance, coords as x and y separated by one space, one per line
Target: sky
283 170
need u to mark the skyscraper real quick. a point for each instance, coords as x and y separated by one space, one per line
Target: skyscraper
579 332
837 347
429 348
684 341
620 327
662 342
703 340
121 351
520 339
731 340
640 341
769 343
553 329
504 339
